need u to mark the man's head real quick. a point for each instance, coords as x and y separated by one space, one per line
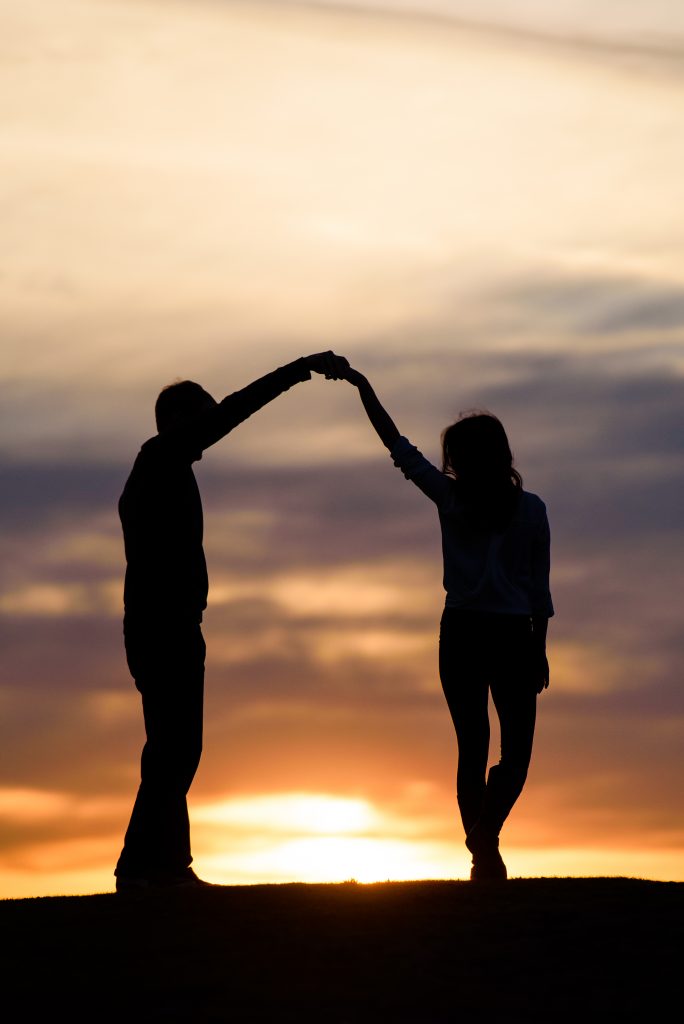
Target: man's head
179 401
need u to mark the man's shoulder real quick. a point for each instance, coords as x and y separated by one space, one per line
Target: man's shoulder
152 461
147 455
161 449
151 447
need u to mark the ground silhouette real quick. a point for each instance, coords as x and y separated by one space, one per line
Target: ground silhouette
420 952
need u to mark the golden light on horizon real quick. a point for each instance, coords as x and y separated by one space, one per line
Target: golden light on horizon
315 837
292 812
309 837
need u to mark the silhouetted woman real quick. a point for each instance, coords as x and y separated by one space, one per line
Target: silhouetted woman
495 543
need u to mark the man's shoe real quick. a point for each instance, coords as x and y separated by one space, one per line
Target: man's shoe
135 885
131 884
185 880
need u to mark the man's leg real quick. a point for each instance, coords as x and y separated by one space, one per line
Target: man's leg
168 666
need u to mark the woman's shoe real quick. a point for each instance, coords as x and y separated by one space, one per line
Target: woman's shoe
488 868
488 865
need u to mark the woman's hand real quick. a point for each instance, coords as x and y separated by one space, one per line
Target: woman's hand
542 671
540 625
354 377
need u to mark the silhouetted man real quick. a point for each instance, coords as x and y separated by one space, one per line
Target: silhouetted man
165 594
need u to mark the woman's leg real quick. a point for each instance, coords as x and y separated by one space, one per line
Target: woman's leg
466 690
515 699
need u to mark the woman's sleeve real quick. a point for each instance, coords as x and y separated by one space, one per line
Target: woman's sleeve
541 570
415 467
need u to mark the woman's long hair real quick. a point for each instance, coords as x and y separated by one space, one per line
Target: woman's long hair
476 453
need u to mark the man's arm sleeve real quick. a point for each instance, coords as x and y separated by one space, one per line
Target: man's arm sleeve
211 426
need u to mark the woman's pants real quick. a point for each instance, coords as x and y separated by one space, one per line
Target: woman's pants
479 652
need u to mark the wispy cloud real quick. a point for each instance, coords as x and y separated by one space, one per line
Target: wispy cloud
615 21
600 305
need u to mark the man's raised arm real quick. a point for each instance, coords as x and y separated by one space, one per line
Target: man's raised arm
214 423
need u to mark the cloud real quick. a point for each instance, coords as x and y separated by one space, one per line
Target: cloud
597 434
31 817
68 492
602 305
616 22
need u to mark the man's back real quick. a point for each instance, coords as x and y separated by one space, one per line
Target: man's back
161 515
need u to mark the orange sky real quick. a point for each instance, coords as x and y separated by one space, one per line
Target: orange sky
476 217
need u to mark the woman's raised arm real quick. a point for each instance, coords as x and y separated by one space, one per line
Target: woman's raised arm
380 419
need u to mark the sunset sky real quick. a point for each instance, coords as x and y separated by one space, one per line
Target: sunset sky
477 213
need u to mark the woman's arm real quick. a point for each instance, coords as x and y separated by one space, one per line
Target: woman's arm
539 627
380 419
542 604
415 467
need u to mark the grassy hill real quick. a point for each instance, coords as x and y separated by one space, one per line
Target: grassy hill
421 952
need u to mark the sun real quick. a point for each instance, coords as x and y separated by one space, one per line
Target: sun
312 837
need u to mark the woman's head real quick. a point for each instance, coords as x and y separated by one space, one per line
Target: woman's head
476 452
475 447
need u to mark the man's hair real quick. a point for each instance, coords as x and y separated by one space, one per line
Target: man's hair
177 401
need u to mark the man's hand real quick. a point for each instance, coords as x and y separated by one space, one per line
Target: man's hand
330 365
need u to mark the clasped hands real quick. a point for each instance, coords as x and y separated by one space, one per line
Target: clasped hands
333 367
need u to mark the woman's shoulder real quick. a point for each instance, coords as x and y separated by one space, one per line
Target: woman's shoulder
531 507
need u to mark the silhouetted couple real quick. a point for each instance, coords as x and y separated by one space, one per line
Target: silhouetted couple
495 542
